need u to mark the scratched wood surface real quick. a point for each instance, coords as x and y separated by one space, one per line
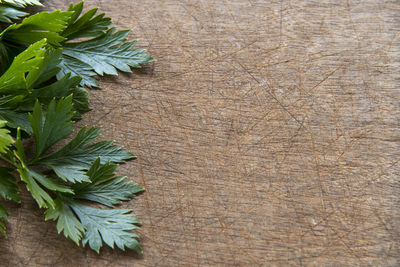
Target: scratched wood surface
267 134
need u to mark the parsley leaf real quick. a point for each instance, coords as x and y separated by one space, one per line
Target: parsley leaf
111 226
108 53
87 25
24 70
104 187
38 26
9 11
8 186
5 138
41 196
36 181
66 220
64 87
28 79
73 160
21 3
15 119
104 55
79 69
7 14
53 125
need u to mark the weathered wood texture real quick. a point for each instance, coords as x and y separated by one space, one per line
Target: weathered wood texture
267 133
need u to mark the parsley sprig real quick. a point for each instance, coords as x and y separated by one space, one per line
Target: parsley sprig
46 62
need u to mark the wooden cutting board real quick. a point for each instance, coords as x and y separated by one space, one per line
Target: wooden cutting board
267 134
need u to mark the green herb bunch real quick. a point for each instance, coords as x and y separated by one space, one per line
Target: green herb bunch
46 62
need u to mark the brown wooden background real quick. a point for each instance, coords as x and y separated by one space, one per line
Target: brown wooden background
267 133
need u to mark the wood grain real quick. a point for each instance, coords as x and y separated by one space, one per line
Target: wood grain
267 134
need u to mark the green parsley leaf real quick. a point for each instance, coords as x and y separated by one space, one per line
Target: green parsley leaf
35 86
38 26
9 11
52 125
105 55
24 70
27 80
97 225
7 14
80 98
21 3
66 220
73 160
15 119
7 54
104 187
5 138
8 186
43 199
87 25
36 181
113 226
17 80
79 69
64 87
49 66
